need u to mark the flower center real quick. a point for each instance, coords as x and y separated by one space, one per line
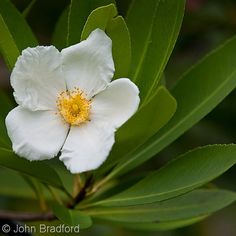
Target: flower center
74 107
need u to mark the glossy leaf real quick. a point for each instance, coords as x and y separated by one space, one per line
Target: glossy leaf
121 46
15 33
4 140
204 85
8 47
59 38
194 204
197 93
71 22
38 170
6 106
72 217
14 185
154 28
147 121
185 173
66 177
98 18
144 124
162 226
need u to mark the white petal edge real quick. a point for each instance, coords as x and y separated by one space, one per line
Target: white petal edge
36 135
117 103
37 79
88 65
87 147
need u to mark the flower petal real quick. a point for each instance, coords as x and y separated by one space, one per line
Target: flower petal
117 103
89 65
36 135
87 147
37 79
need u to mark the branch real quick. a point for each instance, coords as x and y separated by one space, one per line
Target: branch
26 216
47 216
80 196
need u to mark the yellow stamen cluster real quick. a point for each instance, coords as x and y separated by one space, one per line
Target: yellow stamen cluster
74 107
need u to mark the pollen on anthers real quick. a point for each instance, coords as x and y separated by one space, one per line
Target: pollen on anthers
74 107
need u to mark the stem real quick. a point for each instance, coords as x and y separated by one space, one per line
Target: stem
98 186
47 216
54 194
26 216
80 196
37 187
77 184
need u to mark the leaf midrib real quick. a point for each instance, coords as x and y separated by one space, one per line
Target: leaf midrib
131 210
145 49
161 68
12 40
187 188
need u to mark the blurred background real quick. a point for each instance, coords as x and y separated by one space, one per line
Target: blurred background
207 23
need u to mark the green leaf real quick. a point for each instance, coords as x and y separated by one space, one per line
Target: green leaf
14 185
98 18
71 22
6 106
121 46
169 225
66 177
194 204
8 47
59 38
197 93
154 28
144 124
28 9
15 33
200 89
147 121
72 217
38 189
38 170
185 173
4 139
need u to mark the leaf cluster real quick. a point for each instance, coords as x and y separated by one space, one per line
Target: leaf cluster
173 196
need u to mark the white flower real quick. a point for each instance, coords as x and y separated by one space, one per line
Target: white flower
68 104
